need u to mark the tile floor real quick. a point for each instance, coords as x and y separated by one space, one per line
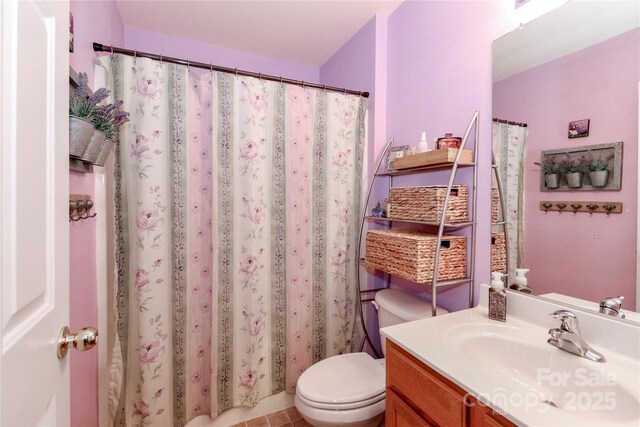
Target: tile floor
286 418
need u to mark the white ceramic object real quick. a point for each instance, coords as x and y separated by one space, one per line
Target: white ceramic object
598 178
348 390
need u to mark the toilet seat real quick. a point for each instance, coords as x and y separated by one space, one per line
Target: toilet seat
347 381
342 406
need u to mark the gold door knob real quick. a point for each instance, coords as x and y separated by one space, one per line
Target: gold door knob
83 340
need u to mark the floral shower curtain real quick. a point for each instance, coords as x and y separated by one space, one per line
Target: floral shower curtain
237 210
509 147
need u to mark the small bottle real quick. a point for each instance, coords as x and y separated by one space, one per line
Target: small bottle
423 145
520 282
497 298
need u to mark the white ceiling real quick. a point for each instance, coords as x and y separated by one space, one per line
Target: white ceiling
304 31
569 28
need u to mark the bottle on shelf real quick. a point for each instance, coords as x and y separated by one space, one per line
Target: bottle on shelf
423 145
520 282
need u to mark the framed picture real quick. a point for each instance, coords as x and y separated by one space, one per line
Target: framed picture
394 153
579 129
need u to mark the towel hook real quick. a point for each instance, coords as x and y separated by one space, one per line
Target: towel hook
561 207
547 206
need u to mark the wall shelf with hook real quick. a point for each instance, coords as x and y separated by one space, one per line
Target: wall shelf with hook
80 208
581 206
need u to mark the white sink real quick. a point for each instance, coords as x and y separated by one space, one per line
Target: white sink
547 377
511 368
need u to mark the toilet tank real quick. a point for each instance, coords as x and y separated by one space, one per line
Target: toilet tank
397 306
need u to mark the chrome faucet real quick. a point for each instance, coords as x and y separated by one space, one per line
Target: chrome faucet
611 306
569 338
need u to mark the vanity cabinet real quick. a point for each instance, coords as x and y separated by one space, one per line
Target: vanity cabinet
419 396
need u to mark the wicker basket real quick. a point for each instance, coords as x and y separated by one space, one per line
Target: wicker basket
495 204
426 203
410 254
498 252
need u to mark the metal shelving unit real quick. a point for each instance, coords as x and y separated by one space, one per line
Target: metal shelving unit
365 294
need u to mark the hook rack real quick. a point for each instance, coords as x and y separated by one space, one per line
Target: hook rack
80 207
575 207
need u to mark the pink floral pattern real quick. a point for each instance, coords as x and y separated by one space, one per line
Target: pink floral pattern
191 173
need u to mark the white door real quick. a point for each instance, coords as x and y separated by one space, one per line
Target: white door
34 228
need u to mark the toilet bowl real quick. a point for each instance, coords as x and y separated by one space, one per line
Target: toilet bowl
348 390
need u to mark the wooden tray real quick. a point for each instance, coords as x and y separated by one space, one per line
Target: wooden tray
430 158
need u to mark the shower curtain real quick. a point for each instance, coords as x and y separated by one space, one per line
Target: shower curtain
237 205
509 147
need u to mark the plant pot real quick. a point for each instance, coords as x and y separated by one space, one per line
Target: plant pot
80 132
92 151
104 152
574 179
551 180
599 178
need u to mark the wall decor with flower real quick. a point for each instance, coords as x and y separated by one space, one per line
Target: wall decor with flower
586 168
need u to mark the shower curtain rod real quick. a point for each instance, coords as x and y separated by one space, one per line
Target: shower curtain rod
509 122
99 47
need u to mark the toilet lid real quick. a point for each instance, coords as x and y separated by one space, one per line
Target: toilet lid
343 379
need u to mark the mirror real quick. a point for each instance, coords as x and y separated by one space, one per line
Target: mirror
578 62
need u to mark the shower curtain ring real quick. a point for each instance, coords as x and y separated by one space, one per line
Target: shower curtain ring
260 76
188 64
236 72
111 50
160 59
280 79
324 88
344 90
211 68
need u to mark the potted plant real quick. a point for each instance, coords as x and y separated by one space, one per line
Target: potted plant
107 120
597 167
572 171
81 109
550 171
104 119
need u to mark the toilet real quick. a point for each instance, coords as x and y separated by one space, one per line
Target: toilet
349 390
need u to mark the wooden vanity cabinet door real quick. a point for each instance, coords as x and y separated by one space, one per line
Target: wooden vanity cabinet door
419 396
399 414
426 392
482 416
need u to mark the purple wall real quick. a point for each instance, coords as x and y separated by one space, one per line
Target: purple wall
439 73
361 65
151 42
93 21
579 255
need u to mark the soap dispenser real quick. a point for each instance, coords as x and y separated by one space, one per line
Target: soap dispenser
497 298
520 282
